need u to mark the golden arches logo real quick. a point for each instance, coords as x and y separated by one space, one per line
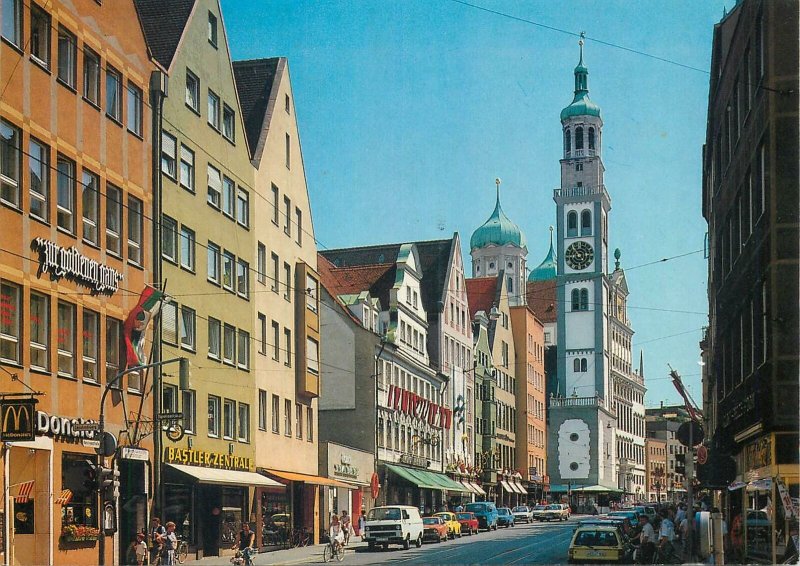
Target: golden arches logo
20 417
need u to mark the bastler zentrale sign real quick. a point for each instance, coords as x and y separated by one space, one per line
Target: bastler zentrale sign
72 264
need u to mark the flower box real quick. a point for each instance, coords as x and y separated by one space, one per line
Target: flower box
79 533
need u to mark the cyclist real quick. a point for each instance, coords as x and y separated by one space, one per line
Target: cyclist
245 543
346 526
336 533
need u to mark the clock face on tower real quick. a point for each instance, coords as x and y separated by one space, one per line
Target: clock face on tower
579 255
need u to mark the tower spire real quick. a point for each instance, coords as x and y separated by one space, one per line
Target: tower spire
497 182
581 72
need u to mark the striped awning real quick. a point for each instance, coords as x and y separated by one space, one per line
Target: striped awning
478 489
24 493
64 498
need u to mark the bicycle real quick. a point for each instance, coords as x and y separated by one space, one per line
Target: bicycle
182 551
298 538
333 550
244 557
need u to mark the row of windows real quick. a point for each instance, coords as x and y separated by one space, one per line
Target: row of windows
227 418
40 46
743 345
395 436
506 417
225 270
735 229
580 365
628 421
222 191
68 208
393 374
535 408
580 299
630 451
535 378
628 393
412 337
745 88
274 331
300 411
579 139
456 354
220 116
72 347
572 223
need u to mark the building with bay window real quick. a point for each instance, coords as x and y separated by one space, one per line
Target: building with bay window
75 207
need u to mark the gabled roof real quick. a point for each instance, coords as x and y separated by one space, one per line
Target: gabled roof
163 24
619 281
434 258
542 299
481 293
364 255
254 83
378 279
328 281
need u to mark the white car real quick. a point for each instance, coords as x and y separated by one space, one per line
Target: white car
537 513
393 524
522 513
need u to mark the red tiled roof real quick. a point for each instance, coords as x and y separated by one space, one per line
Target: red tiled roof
542 299
349 280
480 294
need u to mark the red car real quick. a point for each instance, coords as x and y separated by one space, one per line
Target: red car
469 523
433 528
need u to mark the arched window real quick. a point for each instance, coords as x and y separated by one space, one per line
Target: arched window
510 284
584 300
586 223
572 224
576 300
579 137
567 141
591 138
576 366
584 367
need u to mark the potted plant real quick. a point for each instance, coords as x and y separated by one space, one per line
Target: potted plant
78 533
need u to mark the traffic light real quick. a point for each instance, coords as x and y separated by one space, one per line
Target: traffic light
109 482
90 476
680 464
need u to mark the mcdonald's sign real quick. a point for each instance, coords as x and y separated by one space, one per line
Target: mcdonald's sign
18 420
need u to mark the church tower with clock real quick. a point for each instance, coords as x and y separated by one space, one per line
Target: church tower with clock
582 422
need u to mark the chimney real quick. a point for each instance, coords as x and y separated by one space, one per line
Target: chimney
662 404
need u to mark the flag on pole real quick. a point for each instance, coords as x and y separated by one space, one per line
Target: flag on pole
64 498
136 325
24 494
676 381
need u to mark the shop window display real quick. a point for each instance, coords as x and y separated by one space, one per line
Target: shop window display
79 516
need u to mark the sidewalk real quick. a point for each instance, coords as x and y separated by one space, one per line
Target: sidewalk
306 554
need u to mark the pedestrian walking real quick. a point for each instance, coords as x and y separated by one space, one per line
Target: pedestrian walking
362 523
170 544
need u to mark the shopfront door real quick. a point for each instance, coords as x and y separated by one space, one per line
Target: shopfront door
209 505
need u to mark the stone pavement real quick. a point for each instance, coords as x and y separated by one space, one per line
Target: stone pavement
306 554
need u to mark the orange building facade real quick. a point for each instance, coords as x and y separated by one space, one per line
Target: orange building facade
75 212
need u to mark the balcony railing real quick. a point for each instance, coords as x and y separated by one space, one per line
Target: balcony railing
594 401
581 153
572 192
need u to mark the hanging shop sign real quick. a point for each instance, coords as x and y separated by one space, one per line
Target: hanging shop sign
419 408
63 428
70 263
17 418
758 454
192 457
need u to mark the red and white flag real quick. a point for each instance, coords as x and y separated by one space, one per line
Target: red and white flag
25 490
136 325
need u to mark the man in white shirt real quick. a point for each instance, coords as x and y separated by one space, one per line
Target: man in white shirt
666 534
647 540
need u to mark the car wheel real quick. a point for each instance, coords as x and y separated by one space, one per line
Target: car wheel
371 546
419 541
494 527
386 546
459 533
406 543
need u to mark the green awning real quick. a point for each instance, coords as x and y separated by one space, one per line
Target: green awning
427 480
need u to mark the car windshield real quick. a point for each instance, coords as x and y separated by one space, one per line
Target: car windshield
476 507
502 511
554 507
520 509
383 514
540 507
595 538
430 520
465 516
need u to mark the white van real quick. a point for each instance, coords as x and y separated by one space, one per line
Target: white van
393 524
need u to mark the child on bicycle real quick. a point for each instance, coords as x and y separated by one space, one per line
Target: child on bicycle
336 533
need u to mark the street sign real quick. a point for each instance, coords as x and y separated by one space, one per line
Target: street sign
86 427
697 433
169 416
108 445
133 453
702 454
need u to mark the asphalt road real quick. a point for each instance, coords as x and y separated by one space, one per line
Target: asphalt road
538 543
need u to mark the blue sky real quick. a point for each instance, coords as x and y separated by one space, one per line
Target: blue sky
409 110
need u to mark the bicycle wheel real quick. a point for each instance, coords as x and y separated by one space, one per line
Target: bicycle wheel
340 554
327 553
183 551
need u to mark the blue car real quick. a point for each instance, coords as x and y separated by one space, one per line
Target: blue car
485 512
505 518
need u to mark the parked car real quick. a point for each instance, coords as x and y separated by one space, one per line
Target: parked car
433 528
597 544
505 518
538 512
631 515
642 510
393 524
450 519
556 512
616 523
486 512
469 522
522 513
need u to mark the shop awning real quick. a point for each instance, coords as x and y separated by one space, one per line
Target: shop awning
578 489
507 487
518 488
469 486
307 478
225 477
478 489
427 480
